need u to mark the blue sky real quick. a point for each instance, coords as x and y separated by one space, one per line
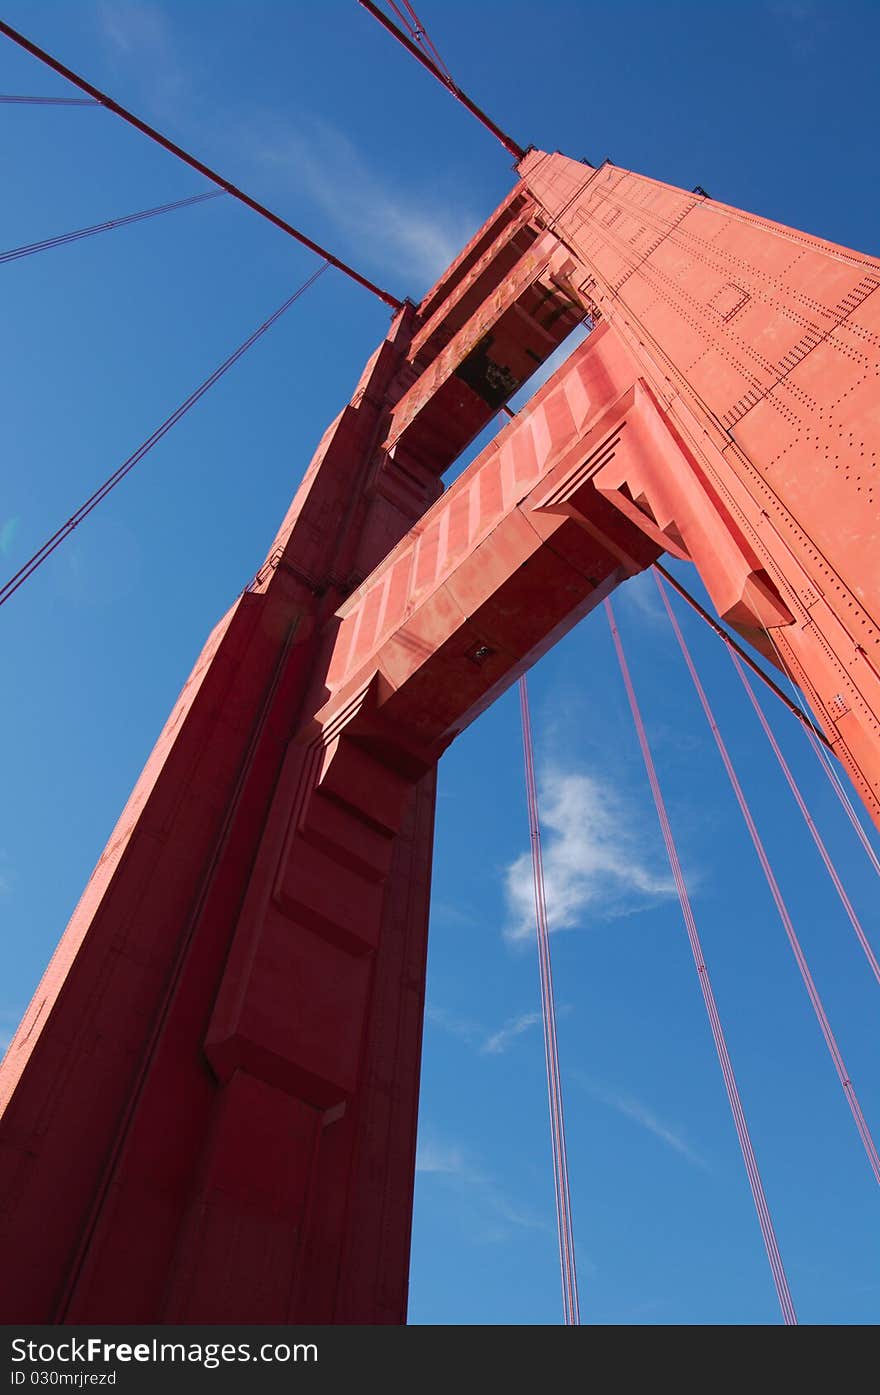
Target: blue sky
770 106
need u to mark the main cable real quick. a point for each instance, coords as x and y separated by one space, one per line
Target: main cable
174 149
58 537
765 1221
510 145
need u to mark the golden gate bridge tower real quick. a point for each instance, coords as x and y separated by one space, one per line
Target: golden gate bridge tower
214 1090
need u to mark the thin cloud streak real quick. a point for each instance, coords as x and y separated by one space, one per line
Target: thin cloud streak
647 1119
139 35
500 1040
468 1032
640 594
442 1158
450 1163
8 530
640 1113
594 861
129 27
403 235
476 1036
444 913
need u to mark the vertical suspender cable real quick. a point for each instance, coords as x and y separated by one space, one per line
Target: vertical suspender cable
826 763
567 1264
795 708
846 803
739 1119
801 803
818 740
812 991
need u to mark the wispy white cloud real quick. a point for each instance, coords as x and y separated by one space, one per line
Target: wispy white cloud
499 1041
631 1108
472 1034
8 530
452 1166
647 1119
801 22
640 594
444 912
594 858
404 233
130 27
138 35
438 1157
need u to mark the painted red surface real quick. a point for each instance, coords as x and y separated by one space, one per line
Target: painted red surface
209 1110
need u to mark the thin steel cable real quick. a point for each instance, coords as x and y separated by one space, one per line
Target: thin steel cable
60 534
118 110
418 52
765 1221
808 820
788 925
419 33
559 1153
50 101
61 240
846 803
562 1191
825 761
796 710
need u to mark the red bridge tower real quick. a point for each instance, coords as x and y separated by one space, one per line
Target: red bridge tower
210 1106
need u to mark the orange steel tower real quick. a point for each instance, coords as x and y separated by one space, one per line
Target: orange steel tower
210 1106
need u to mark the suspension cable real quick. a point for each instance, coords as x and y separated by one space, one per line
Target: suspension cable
846 803
818 740
800 959
51 101
510 145
62 239
567 1264
195 164
736 1108
58 537
419 33
735 648
817 837
826 763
